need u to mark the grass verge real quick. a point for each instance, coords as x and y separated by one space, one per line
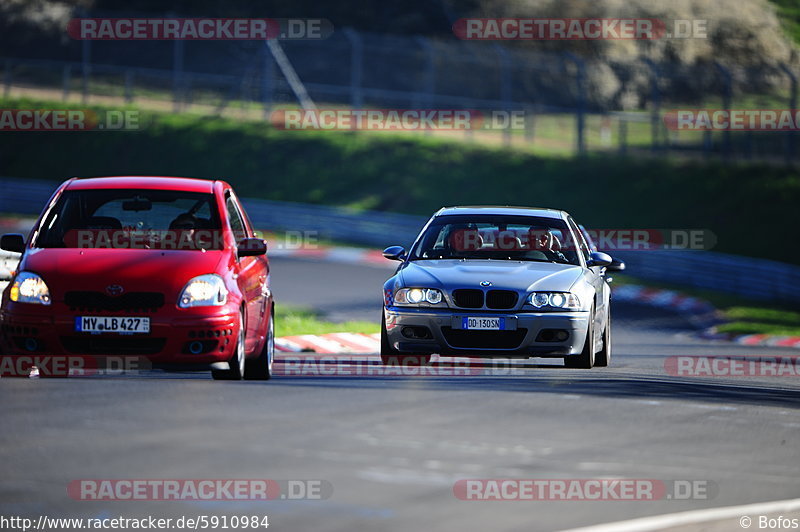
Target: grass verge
292 320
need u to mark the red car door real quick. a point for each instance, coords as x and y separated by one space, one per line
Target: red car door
252 279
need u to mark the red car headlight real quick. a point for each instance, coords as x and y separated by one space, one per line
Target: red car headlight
204 291
30 288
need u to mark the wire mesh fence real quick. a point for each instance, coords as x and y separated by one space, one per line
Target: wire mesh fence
570 104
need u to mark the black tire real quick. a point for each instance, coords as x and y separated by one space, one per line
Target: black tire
586 359
260 368
236 363
392 357
603 357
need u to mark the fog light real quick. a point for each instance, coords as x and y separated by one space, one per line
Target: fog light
31 344
196 348
416 333
552 335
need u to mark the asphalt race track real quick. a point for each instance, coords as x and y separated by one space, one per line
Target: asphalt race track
392 448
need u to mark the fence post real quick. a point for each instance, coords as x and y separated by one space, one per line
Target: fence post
530 125
177 73
580 81
86 65
66 79
505 88
791 135
267 82
356 65
429 95
290 74
727 96
655 97
7 79
623 136
129 86
430 71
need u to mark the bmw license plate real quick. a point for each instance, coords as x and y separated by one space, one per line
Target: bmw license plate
483 324
112 324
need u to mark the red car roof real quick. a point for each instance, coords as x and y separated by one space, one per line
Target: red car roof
186 184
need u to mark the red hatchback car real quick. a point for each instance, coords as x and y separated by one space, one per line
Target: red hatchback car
164 268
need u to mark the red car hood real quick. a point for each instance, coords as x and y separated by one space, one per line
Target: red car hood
134 269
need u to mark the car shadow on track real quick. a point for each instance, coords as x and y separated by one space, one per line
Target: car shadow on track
611 387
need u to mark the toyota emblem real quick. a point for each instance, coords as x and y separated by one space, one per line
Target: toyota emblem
114 290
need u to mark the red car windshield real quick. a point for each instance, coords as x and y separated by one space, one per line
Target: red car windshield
132 219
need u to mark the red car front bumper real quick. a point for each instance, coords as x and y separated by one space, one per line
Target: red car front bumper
192 338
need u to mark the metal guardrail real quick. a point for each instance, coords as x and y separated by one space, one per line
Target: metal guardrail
750 277
379 229
734 274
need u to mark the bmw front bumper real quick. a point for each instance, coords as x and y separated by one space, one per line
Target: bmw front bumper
526 334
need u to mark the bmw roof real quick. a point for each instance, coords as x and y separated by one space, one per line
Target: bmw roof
502 210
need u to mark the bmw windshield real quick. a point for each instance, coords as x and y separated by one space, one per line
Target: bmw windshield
497 237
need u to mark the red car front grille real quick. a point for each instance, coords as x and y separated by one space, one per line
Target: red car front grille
126 345
98 301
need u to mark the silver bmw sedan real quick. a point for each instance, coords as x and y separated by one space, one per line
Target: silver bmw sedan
505 282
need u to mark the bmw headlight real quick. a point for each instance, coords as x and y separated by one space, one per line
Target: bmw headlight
554 301
204 291
30 288
418 296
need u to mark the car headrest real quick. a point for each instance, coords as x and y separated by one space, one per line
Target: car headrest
508 241
465 240
556 243
543 239
101 222
185 221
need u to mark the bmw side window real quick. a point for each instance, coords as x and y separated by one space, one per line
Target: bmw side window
584 247
237 224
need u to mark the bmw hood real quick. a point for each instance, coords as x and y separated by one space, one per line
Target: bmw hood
509 275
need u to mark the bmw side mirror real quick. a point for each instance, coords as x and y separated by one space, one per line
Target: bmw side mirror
395 253
13 242
598 258
616 266
251 247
